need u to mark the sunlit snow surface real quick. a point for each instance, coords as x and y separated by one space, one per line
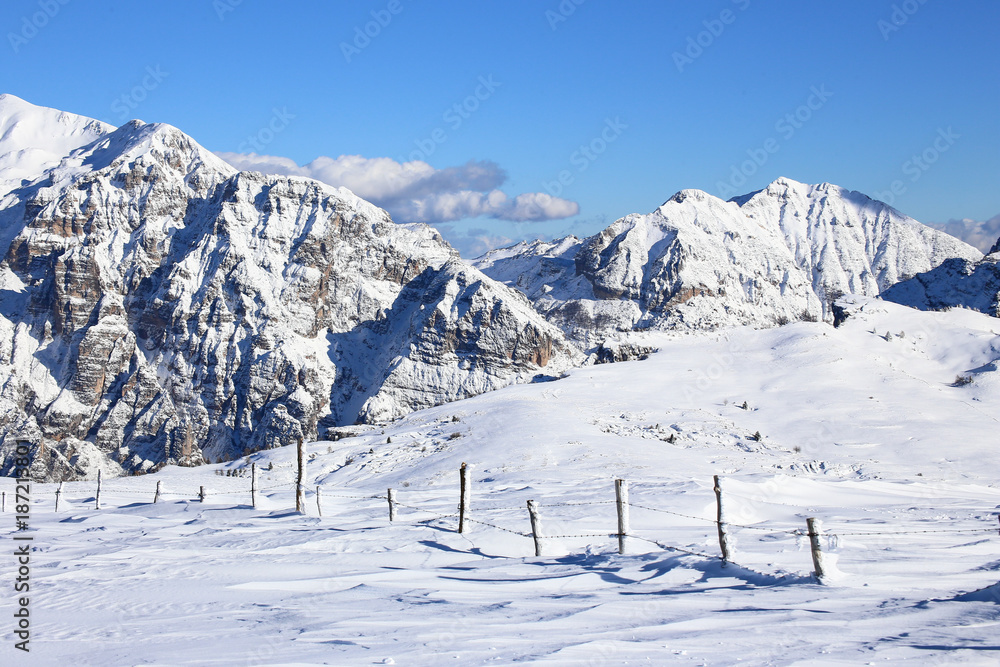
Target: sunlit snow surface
861 427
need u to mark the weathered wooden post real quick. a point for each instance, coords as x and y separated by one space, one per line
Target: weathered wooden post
721 523
465 493
621 499
815 528
300 482
536 527
97 496
201 494
319 504
59 491
253 485
391 496
156 496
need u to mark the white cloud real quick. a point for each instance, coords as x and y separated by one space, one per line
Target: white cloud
416 191
982 234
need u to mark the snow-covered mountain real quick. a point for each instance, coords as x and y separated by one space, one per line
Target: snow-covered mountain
157 305
956 283
777 255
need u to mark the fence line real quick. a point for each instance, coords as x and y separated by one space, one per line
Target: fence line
466 507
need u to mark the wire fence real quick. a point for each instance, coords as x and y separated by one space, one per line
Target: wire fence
464 513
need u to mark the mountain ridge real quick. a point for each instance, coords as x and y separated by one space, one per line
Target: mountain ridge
779 254
159 306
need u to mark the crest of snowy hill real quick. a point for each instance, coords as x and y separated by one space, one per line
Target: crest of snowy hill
956 283
774 256
157 305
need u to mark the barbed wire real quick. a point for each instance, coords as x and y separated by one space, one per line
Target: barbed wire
506 530
289 487
668 547
833 533
686 516
565 537
420 509
573 504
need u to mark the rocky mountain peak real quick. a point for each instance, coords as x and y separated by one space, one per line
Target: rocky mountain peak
159 306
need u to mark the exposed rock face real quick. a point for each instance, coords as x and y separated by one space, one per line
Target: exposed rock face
158 306
957 283
778 255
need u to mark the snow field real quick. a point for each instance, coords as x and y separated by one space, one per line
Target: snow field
863 431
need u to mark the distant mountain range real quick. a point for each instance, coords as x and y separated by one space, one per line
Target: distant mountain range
774 256
159 306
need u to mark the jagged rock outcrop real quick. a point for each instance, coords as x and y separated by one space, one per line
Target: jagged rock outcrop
156 306
956 283
782 254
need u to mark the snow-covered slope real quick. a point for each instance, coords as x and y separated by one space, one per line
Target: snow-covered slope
158 306
34 138
860 429
778 255
956 283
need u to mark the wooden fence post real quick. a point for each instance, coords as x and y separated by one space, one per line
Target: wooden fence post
536 527
253 485
300 488
58 494
156 496
391 496
721 523
621 499
319 505
465 493
201 494
97 496
3 502
815 528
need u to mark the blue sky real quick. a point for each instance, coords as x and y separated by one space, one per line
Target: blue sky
666 95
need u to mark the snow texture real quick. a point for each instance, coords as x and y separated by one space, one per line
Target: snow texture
862 427
157 305
779 255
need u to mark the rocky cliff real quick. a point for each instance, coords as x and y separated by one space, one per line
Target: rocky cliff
158 306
